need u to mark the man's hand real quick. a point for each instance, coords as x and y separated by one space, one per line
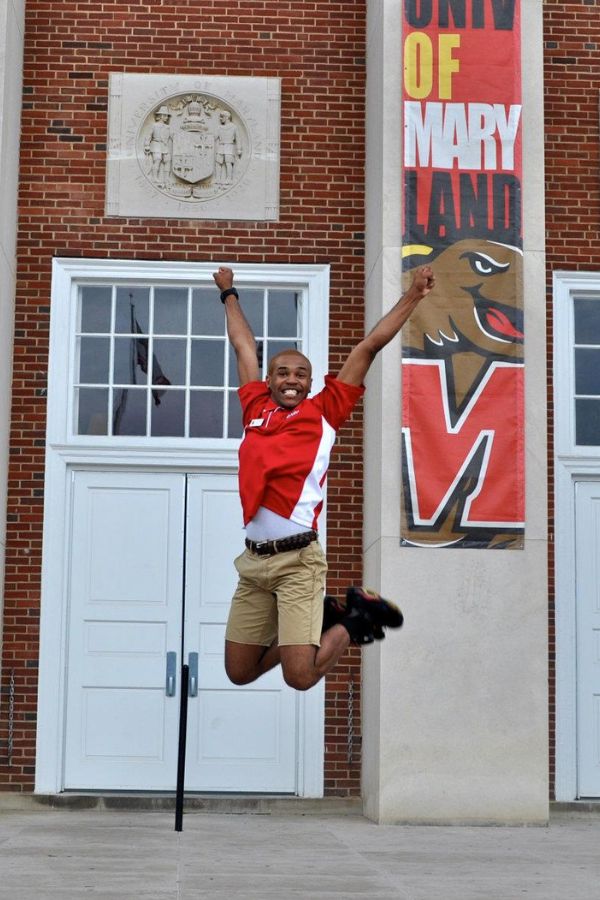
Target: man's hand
423 281
223 278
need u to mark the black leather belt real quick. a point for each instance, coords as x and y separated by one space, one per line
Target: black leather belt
282 545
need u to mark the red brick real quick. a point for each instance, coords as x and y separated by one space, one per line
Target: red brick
318 49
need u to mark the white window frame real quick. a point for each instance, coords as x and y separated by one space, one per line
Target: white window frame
65 451
572 463
68 274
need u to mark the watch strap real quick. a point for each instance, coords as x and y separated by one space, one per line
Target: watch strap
230 291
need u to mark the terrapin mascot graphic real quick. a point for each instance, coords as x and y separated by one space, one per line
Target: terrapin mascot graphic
463 399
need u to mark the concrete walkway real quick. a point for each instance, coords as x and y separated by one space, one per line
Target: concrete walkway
63 854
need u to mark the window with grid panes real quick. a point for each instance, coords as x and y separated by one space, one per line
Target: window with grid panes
586 364
154 361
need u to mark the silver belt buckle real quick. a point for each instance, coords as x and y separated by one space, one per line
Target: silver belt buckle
259 545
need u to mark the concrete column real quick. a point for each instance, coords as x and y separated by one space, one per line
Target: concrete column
456 705
11 79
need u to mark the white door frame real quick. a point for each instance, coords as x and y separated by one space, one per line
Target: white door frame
572 464
66 451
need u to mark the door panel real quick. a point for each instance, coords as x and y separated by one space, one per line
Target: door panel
587 503
125 615
127 612
239 738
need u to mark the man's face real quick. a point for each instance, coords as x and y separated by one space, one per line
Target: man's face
289 379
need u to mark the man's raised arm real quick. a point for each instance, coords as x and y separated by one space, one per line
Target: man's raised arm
359 361
238 330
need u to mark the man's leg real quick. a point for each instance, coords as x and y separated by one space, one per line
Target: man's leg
304 665
245 663
251 634
307 650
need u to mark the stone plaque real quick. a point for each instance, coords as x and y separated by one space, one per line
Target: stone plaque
193 147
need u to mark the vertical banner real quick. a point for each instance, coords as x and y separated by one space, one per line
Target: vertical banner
462 350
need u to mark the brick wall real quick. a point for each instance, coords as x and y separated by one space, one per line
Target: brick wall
572 159
317 49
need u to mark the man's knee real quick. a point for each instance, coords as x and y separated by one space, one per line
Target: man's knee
300 682
239 675
299 674
241 662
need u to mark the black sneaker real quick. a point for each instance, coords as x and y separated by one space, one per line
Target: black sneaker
383 613
359 626
334 611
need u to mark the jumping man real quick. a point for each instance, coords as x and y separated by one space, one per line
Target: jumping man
278 615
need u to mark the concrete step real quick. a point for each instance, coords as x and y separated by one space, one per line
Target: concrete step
575 807
257 804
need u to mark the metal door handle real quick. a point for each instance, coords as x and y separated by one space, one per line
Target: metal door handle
193 667
171 685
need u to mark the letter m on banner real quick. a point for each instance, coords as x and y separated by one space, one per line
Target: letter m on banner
457 484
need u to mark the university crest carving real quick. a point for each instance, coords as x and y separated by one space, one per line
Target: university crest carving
193 147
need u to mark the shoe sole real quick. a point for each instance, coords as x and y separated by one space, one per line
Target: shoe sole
382 612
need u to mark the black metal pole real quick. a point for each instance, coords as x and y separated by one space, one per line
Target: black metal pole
185 674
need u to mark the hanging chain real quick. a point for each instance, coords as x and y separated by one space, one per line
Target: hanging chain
11 716
350 721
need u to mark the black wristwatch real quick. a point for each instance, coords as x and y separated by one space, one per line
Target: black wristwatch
228 292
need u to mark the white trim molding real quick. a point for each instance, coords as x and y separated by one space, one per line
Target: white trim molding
572 464
66 451
68 274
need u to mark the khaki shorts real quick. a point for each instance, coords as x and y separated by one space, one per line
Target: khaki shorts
279 596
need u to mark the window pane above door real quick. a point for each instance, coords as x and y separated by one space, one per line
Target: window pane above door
94 360
587 418
95 309
283 313
587 370
129 411
169 361
132 310
207 312
234 420
170 311
91 410
252 303
168 414
153 361
587 320
130 360
206 414
207 361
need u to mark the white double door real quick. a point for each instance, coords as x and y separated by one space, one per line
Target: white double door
587 580
151 579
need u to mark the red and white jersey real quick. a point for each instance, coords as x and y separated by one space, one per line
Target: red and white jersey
284 454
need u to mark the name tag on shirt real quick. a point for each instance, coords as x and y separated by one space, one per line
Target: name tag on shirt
254 423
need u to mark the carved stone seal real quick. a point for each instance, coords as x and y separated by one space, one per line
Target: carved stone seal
193 147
